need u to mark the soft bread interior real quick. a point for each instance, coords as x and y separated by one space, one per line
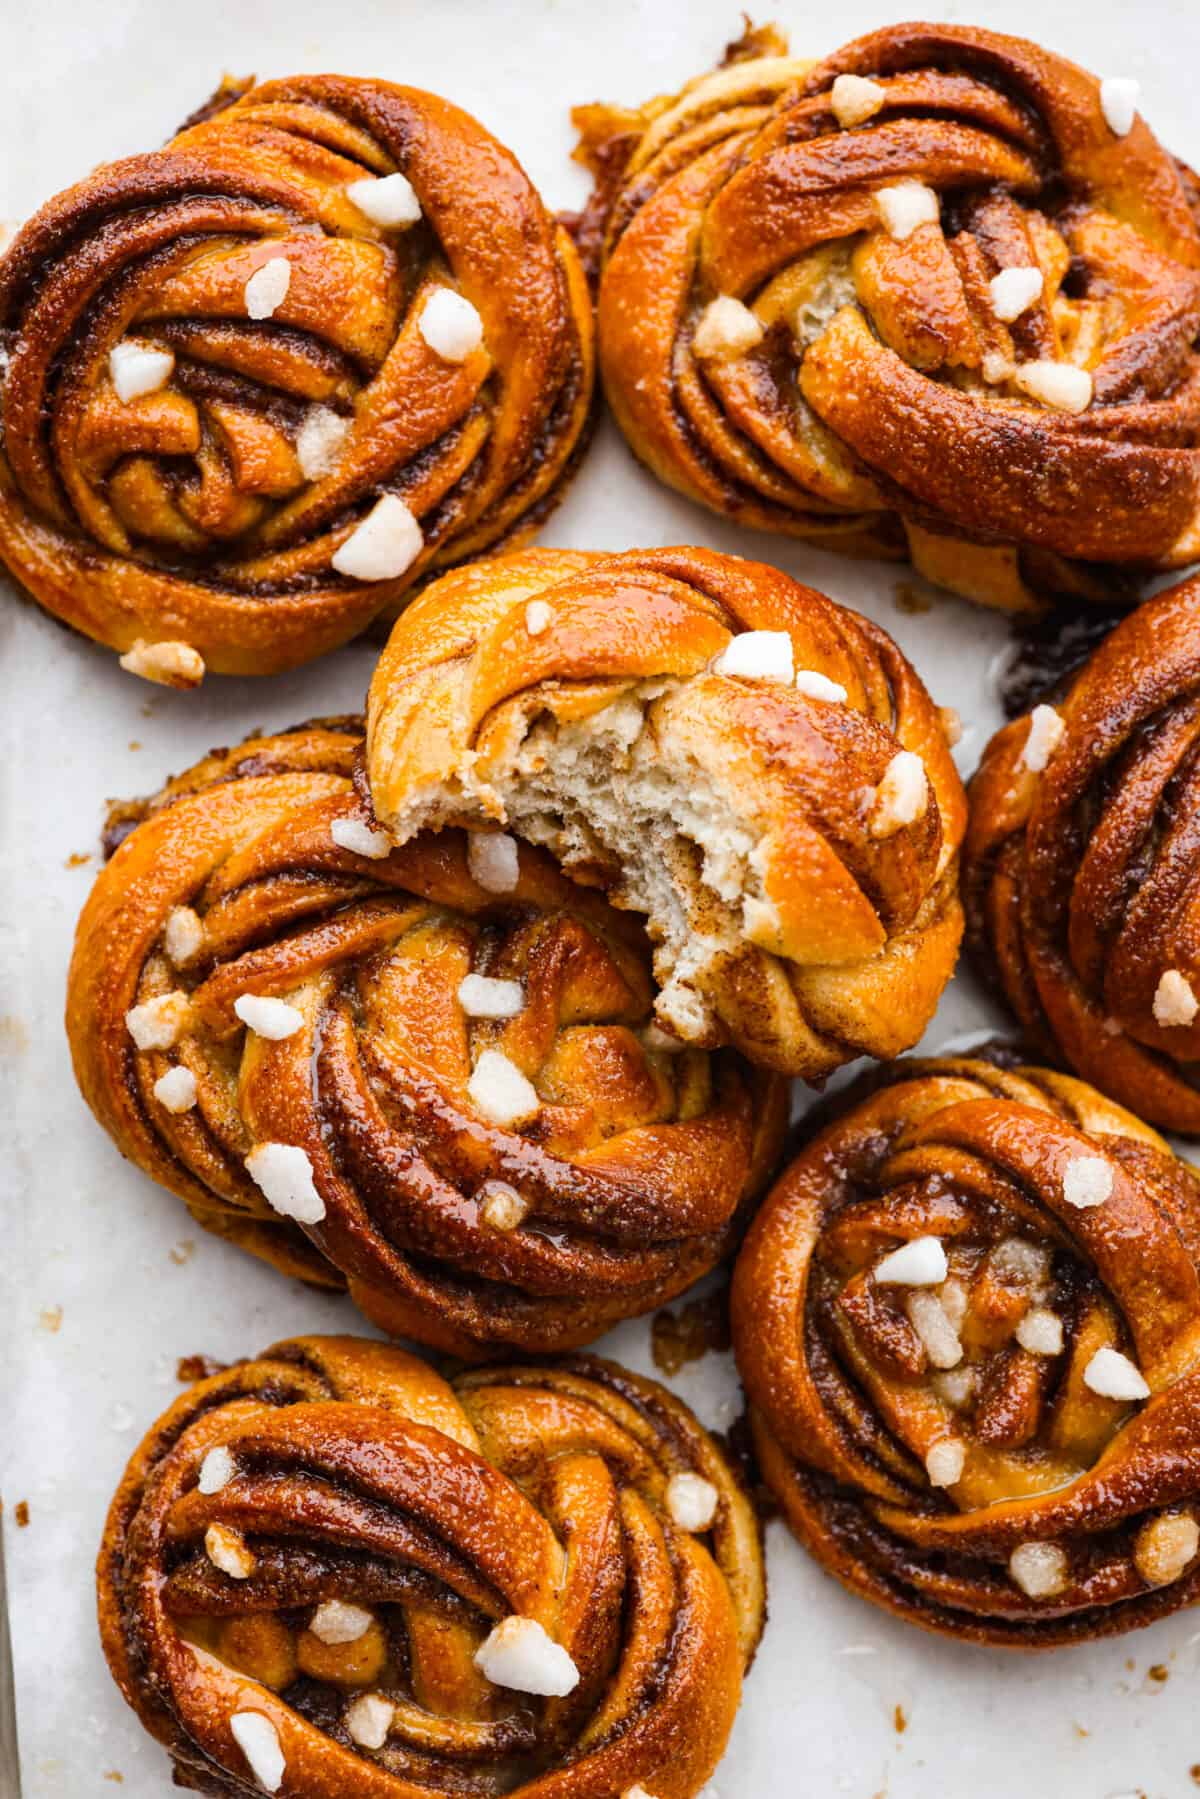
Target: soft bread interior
610 794
620 802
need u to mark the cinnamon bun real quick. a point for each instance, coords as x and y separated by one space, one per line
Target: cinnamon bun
937 294
429 1073
967 1318
328 1570
259 383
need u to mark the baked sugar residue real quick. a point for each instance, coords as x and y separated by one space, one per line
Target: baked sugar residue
1045 650
911 600
198 1367
120 817
677 1338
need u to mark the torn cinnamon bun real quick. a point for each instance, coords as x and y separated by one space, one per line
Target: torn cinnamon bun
755 769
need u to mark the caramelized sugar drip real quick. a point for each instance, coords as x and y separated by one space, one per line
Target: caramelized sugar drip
684 1336
1046 649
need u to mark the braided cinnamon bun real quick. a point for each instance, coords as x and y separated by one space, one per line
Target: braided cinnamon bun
258 383
1081 875
329 1570
757 770
938 293
427 1073
968 1318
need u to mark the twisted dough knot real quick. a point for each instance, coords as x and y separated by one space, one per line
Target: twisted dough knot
1082 868
322 292
790 826
800 323
256 976
956 1431
322 1540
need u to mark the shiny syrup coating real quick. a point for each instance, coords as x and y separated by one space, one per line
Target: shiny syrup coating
185 514
352 1472
951 1451
635 1171
1080 879
879 408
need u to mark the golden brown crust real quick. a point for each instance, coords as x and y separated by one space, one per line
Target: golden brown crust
847 937
636 1170
847 1405
184 515
1081 880
863 418
438 1507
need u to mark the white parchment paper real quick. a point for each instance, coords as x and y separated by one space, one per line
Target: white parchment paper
104 1280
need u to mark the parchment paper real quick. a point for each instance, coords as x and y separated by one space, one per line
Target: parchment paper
105 1281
